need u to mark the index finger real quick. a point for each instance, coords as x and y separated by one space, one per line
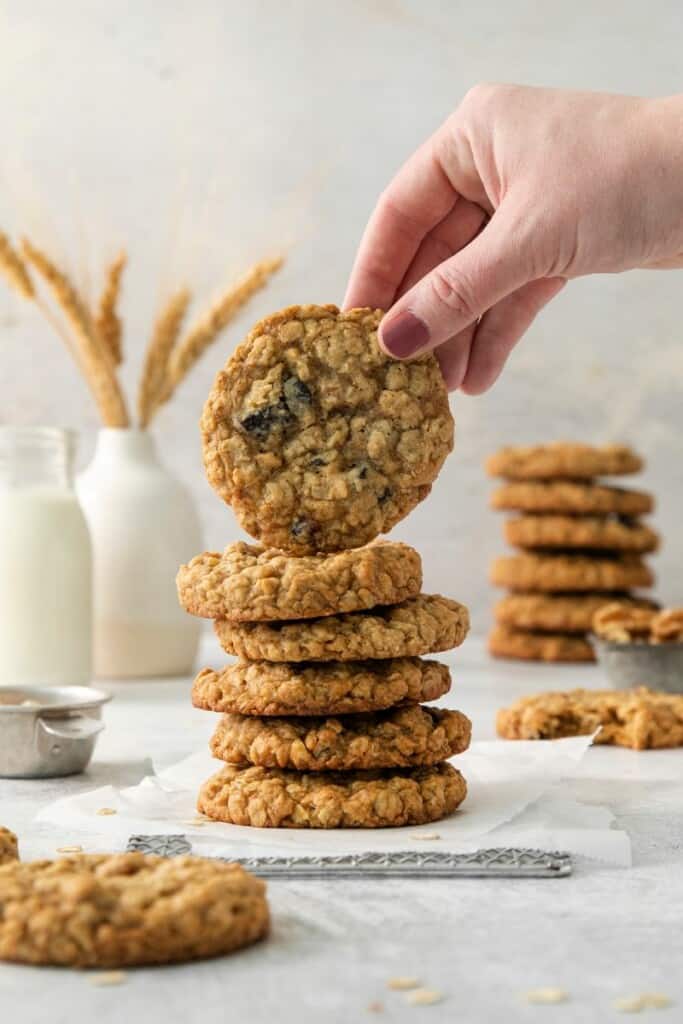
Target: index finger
415 201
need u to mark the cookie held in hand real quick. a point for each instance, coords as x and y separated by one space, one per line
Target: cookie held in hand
316 438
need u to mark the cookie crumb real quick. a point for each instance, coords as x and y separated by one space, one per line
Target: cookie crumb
105 811
425 835
402 984
424 997
546 995
376 1007
108 978
69 849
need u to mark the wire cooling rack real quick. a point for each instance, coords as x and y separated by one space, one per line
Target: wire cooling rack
498 862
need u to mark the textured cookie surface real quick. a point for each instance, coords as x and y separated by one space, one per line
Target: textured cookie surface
248 583
421 625
667 627
277 798
550 573
559 613
399 738
316 438
126 909
618 622
9 848
622 623
627 718
571 497
563 459
505 642
322 688
585 532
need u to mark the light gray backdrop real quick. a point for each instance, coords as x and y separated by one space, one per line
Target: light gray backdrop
202 134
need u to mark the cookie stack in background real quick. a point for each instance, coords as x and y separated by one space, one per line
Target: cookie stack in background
320 442
581 543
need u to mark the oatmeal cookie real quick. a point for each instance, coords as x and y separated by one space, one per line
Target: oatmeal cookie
126 909
667 627
549 573
621 623
559 613
563 459
505 642
589 533
9 848
399 738
322 688
571 497
639 719
249 584
275 798
317 439
422 625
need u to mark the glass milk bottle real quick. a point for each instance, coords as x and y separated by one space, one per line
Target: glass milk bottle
45 562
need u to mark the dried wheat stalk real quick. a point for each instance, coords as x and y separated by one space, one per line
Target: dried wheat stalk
205 331
166 330
97 363
95 343
16 274
12 266
107 321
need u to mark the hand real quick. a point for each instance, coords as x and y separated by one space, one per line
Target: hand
518 191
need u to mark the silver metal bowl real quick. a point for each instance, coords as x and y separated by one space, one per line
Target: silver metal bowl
657 666
48 731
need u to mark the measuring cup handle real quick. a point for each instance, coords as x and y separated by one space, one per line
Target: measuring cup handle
80 727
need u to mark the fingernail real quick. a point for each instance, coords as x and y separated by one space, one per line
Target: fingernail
404 334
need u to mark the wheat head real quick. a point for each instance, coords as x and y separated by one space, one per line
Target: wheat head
209 326
107 321
95 360
164 336
14 270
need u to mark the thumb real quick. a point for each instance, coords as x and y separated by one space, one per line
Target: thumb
460 290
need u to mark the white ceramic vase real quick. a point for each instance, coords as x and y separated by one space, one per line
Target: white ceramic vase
143 525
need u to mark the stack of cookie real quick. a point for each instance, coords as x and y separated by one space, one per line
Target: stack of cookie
581 540
323 724
320 442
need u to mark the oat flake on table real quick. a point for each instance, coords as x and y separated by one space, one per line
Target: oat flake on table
104 978
547 995
424 997
644 1001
